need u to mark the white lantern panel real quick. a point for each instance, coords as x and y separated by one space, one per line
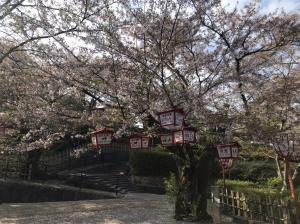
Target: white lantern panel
179 119
104 138
166 139
167 118
94 140
178 136
136 143
224 152
189 135
235 152
145 142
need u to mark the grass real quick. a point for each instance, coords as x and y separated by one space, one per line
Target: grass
255 188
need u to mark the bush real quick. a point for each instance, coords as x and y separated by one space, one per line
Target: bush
274 182
152 163
251 188
171 186
253 170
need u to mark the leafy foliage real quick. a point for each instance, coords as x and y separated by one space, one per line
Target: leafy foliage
171 186
253 170
251 188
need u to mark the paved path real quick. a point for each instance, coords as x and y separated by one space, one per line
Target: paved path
133 209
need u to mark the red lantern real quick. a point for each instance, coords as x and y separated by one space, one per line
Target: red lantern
171 119
284 145
139 142
185 135
167 139
228 151
101 137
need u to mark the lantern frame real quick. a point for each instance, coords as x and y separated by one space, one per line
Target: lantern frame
167 134
284 145
174 121
140 138
96 134
231 154
182 133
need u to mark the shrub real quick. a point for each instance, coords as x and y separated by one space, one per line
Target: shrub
171 186
152 163
274 182
251 188
253 170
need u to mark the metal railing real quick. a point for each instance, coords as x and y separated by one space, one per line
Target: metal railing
13 164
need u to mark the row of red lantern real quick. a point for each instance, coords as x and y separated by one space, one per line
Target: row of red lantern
104 137
101 136
183 136
186 135
171 119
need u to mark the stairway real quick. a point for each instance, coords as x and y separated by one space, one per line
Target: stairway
105 177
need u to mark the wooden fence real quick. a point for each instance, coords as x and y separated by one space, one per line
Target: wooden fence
256 207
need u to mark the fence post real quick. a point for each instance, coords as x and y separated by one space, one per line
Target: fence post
238 203
232 201
216 203
244 205
270 205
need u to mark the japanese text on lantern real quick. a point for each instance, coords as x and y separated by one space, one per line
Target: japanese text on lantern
167 118
104 138
135 143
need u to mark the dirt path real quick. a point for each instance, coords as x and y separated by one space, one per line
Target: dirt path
133 209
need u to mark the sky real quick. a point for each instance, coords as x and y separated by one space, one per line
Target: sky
289 6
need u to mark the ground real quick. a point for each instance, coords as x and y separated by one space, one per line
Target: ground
132 209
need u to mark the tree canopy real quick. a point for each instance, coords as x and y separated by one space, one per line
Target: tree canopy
236 69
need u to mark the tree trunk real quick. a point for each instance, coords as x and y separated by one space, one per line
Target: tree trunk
32 164
193 181
285 176
279 173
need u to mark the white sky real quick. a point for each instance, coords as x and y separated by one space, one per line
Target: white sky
289 6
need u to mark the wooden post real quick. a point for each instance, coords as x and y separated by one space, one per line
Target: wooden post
238 204
232 202
227 196
245 207
224 183
270 204
260 209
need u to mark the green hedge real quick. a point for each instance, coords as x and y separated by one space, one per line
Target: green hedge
251 188
152 163
253 170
